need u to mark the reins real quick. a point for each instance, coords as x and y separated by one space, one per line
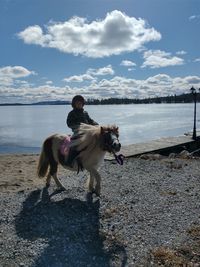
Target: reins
119 158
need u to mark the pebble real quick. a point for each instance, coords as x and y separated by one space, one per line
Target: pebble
122 226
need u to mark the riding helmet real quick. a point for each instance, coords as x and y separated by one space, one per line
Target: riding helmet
77 98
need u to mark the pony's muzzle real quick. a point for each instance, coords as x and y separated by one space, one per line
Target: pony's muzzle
116 146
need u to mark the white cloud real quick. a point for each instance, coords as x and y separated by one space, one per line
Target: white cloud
115 34
6 81
88 76
157 59
79 78
182 52
193 17
15 72
194 80
108 70
197 60
117 86
8 74
160 79
127 63
49 82
34 35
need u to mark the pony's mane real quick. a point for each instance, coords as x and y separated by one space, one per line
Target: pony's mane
85 136
88 135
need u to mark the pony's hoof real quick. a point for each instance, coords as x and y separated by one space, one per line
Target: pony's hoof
89 197
96 193
63 189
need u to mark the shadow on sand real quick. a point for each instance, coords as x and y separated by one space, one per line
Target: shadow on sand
68 230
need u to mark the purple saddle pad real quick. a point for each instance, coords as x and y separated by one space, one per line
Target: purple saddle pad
64 148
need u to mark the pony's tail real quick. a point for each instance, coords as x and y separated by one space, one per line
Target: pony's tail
43 163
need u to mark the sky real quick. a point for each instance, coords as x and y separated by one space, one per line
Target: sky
55 49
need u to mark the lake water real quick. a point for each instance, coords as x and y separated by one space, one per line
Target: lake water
24 128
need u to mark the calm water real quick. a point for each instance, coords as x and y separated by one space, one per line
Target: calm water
23 128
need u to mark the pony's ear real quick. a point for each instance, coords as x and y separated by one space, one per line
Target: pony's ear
116 130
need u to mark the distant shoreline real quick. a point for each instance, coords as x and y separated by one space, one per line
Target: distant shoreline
51 104
173 99
15 149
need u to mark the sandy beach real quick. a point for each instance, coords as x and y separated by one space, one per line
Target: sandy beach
147 215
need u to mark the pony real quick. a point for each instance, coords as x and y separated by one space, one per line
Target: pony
91 141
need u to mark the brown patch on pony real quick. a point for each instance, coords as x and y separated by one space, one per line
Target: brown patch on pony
46 159
115 130
111 128
61 158
49 153
43 162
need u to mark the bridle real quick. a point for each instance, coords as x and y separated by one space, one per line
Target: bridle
108 139
108 143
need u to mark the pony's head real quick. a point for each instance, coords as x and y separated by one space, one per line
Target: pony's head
109 139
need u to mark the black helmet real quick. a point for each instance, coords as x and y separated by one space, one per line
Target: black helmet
77 98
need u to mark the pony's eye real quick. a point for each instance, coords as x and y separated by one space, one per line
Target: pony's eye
108 138
110 141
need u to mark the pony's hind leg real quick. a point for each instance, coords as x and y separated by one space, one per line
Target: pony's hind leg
60 186
58 183
48 180
53 173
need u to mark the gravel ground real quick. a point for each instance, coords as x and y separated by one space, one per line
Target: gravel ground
145 205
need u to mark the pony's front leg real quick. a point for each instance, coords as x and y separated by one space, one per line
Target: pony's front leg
90 183
97 189
48 180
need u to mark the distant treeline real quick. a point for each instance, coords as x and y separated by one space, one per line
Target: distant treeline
184 98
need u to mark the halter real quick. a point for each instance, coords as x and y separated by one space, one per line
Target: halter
108 146
119 158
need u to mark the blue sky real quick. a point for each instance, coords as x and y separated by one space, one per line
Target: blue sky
55 49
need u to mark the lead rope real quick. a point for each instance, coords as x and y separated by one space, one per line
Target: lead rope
119 158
